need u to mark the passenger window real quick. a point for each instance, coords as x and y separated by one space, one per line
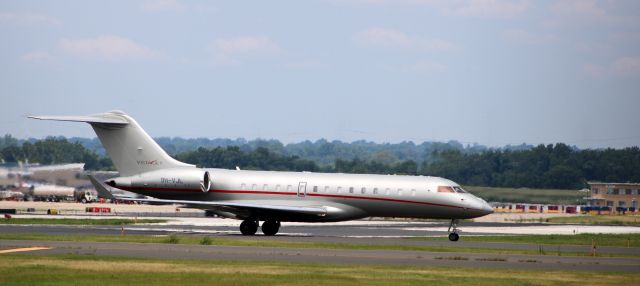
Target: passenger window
243 186
399 192
326 189
289 188
387 191
363 190
315 189
413 192
277 188
445 189
254 187
375 191
351 190
265 187
339 190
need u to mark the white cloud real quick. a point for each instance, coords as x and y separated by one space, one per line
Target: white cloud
595 48
498 9
491 8
245 45
29 19
588 11
579 7
624 66
525 37
383 37
420 66
305 65
232 51
36 57
593 70
427 66
107 48
163 6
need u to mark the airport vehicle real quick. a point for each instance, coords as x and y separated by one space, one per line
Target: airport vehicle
8 195
269 196
46 192
85 196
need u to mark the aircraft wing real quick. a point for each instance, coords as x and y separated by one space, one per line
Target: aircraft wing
238 208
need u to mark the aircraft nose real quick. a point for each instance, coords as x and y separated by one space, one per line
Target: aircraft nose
481 207
486 208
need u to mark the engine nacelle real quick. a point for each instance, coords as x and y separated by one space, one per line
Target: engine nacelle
167 179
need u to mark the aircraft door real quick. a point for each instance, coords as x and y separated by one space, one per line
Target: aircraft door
302 189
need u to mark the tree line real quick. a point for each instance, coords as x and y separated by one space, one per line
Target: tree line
52 150
545 166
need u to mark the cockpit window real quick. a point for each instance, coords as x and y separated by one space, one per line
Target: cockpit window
445 189
459 190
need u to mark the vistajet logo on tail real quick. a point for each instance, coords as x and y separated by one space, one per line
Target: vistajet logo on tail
149 162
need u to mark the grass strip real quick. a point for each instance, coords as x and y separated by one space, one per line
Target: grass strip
78 221
37 269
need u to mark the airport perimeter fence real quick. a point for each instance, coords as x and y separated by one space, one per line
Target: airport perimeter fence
564 209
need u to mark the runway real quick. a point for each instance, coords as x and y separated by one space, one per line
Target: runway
424 258
357 232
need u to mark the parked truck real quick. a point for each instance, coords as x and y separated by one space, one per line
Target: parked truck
48 193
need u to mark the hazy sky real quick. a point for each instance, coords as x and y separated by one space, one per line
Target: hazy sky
491 72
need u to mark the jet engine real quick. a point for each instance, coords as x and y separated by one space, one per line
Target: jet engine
166 179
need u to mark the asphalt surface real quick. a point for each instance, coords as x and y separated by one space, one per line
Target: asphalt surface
422 258
378 234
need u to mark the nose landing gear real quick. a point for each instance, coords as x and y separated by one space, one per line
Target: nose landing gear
453 230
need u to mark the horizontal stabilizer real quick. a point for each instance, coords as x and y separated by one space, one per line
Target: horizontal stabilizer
88 119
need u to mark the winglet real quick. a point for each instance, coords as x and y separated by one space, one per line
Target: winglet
102 191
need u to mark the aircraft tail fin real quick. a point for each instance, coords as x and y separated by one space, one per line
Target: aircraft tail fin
130 148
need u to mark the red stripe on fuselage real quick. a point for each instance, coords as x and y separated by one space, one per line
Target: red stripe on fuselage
290 194
383 199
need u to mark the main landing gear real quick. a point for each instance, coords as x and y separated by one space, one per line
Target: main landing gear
250 227
453 230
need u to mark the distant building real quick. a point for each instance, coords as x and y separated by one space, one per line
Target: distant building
619 197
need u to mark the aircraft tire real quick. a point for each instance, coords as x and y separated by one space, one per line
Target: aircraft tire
270 227
248 227
454 236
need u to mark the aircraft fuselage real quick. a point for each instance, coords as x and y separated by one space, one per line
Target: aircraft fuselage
345 196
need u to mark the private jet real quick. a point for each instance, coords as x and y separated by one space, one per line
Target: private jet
270 197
